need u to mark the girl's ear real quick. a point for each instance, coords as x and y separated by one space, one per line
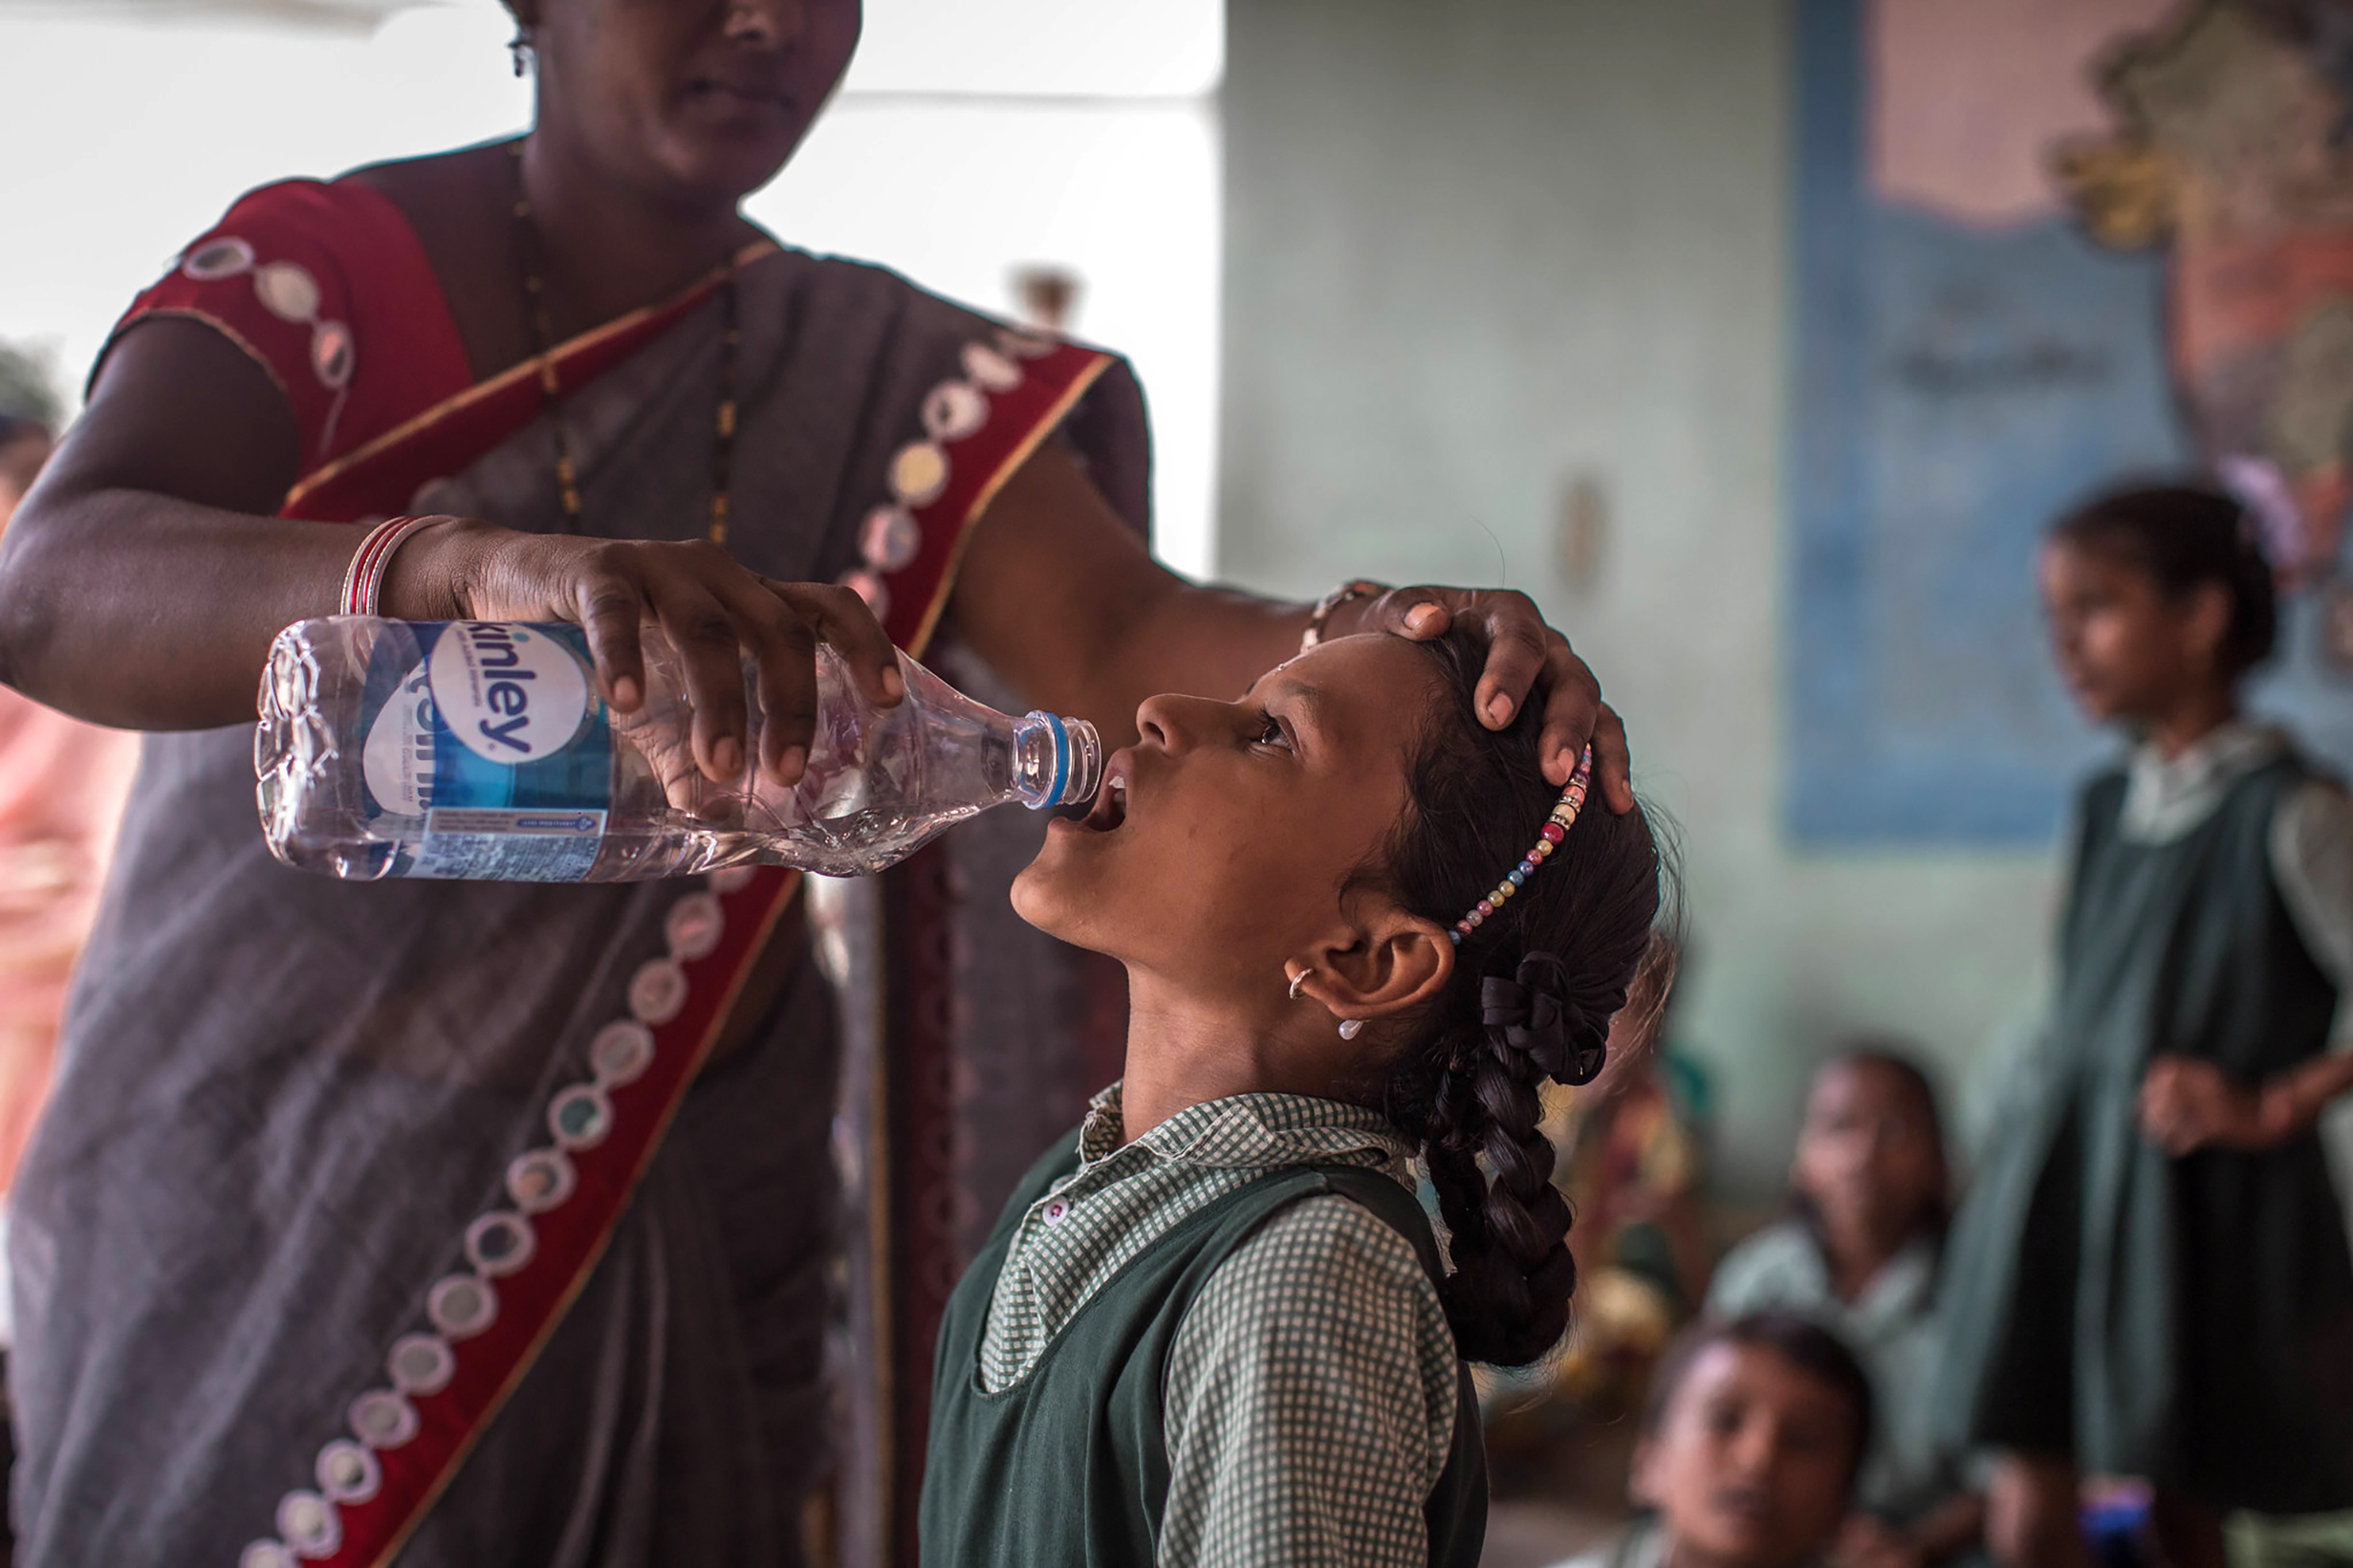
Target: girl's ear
1398 962
2208 623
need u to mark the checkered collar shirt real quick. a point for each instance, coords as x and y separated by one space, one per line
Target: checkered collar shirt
1310 1391
1127 1195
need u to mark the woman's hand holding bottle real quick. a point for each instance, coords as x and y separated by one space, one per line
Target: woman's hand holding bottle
716 614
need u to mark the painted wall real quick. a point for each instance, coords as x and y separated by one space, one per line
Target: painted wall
1479 252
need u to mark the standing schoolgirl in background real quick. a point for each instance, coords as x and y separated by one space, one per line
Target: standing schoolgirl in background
2151 1275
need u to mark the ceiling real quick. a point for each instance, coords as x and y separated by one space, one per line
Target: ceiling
1050 49
330 16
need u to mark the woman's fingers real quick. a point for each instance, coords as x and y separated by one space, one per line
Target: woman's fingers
709 646
1613 761
715 615
610 606
1521 649
782 623
783 651
1576 718
480 572
1516 637
718 614
845 624
1418 613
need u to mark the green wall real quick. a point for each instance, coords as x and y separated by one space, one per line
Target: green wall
1478 250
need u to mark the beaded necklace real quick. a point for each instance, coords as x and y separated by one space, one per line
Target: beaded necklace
536 300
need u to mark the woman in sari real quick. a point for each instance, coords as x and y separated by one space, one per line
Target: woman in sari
487 1223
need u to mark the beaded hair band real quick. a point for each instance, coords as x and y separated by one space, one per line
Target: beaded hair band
1564 817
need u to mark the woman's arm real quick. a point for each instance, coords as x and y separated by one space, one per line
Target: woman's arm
144 578
1063 599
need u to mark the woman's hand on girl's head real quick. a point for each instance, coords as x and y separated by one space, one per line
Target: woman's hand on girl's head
1520 648
715 613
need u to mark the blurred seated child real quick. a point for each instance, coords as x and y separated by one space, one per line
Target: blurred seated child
1871 1196
1749 1449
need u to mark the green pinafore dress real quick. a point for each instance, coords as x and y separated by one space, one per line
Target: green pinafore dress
1068 1468
2189 1320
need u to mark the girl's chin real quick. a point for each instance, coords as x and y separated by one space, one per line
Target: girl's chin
2097 703
1069 909
1047 901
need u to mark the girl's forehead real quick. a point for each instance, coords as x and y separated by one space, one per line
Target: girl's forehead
1866 1080
2095 559
1375 665
1754 1374
1360 707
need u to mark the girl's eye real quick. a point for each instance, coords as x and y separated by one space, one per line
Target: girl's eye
1270 733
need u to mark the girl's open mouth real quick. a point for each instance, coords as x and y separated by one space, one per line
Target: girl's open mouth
1110 808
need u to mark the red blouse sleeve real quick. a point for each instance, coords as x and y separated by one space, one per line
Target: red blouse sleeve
327 289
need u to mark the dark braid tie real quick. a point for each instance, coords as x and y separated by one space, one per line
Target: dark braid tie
1532 1011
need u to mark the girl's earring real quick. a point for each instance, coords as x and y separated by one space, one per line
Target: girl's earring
1351 1027
519 50
1297 981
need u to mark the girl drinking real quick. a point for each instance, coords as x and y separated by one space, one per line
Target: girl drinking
2151 1275
1214 1326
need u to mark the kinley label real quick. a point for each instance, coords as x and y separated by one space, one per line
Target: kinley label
512 694
497 716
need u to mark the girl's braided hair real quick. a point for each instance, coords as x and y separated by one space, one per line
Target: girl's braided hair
1534 989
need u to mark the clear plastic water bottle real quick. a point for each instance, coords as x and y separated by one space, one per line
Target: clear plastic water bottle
483 749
